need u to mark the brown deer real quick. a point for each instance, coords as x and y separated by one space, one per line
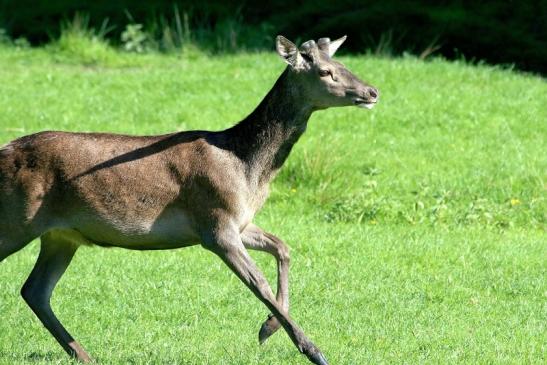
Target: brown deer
170 191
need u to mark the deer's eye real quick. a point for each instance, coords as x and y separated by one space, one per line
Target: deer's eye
324 73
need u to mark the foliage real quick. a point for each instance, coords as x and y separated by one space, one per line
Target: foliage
4 38
134 38
88 45
496 31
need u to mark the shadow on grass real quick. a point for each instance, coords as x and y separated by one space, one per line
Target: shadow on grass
48 357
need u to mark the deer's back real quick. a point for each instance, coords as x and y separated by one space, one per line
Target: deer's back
119 190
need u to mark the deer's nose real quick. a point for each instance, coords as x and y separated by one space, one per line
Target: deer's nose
371 93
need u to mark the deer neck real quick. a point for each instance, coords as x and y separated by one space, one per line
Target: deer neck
264 139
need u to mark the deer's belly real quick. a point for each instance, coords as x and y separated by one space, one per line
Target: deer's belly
172 228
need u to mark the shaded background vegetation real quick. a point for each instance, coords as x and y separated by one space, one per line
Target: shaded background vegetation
507 32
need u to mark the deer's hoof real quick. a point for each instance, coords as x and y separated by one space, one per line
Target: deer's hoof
318 358
269 327
78 352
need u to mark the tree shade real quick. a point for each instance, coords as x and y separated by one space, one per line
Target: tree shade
494 31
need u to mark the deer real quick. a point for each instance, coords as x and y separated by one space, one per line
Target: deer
170 191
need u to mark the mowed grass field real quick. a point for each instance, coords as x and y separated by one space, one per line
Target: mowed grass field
417 228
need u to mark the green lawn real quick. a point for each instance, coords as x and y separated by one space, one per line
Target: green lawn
417 229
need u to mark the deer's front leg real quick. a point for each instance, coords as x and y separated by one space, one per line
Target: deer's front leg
225 241
253 237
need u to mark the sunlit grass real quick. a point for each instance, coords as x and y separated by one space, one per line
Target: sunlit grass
417 229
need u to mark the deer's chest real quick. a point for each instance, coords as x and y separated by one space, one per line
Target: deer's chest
258 198
252 204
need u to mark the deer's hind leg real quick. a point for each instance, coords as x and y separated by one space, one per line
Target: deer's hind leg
56 252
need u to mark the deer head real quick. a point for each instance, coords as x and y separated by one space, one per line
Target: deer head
321 80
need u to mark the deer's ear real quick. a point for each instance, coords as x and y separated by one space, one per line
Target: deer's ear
334 45
288 52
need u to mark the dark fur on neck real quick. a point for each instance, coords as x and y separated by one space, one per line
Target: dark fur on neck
264 139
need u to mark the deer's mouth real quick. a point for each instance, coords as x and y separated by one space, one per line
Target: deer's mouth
362 103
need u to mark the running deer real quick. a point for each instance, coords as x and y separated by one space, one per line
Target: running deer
170 191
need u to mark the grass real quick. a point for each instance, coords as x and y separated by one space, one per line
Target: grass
417 229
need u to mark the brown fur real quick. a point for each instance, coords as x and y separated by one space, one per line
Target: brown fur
168 191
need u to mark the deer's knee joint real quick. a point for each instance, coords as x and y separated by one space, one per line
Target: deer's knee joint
283 253
281 249
33 297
